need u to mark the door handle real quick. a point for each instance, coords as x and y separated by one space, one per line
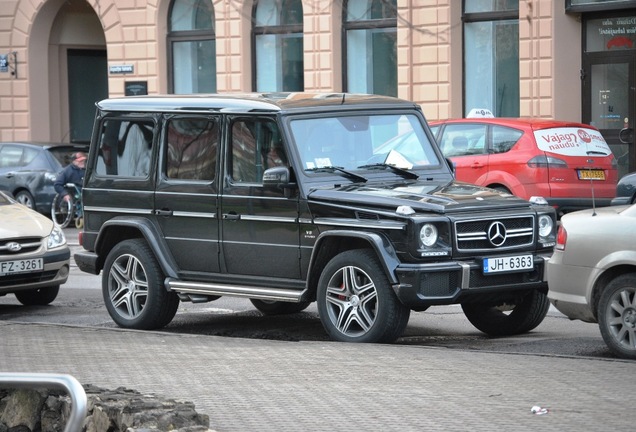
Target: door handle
163 212
231 216
477 165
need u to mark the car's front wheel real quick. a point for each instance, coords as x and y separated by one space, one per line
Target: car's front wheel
270 307
617 315
132 287
508 319
356 302
38 296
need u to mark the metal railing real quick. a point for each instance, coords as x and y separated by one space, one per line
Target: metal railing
57 381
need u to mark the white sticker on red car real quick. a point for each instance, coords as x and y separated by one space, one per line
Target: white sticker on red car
571 141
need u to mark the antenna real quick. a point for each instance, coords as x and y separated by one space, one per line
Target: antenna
591 162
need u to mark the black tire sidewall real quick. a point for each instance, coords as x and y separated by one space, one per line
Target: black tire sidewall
613 287
160 306
391 316
39 296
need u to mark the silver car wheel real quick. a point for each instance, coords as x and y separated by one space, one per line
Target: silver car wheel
621 317
352 301
128 286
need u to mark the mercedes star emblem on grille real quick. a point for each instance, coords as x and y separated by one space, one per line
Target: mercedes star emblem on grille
497 234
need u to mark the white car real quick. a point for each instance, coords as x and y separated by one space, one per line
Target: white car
34 255
592 273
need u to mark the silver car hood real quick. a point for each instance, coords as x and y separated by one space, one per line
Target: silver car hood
19 221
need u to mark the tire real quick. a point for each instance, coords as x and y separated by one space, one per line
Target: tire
39 296
617 315
26 199
278 307
356 302
133 290
62 211
508 319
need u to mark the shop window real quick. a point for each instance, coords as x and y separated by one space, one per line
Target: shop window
192 47
370 28
491 56
278 45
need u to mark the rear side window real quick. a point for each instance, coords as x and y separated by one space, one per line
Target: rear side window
125 148
12 156
503 138
191 149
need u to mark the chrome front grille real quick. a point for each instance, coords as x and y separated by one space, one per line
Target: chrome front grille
494 234
18 246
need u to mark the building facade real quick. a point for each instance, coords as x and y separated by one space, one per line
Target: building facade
565 59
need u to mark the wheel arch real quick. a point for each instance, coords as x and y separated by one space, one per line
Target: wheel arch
119 229
604 278
331 243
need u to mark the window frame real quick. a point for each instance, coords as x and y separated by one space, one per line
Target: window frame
369 24
173 37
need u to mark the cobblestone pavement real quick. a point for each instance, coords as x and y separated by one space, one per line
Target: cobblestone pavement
261 385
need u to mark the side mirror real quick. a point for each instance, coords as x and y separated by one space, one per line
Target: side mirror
277 177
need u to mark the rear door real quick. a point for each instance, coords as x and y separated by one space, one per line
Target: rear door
186 203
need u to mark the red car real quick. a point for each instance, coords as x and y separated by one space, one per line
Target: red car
567 163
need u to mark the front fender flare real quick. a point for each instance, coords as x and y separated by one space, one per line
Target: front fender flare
379 243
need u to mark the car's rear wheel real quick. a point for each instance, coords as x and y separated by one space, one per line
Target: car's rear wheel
270 307
38 296
133 290
26 199
356 302
508 319
617 315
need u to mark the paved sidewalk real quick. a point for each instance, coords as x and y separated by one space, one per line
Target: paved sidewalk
259 385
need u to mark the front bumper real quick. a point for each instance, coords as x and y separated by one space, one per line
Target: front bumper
55 272
424 285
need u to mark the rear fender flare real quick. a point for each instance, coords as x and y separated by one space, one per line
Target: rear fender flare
147 230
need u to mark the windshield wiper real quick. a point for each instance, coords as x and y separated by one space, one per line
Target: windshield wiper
591 152
340 170
401 171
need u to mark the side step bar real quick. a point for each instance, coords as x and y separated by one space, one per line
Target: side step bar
212 289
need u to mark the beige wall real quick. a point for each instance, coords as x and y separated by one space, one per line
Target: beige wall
34 106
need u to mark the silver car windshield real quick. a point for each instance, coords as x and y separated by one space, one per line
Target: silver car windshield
363 141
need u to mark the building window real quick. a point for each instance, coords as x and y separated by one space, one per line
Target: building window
370 30
192 47
491 56
278 45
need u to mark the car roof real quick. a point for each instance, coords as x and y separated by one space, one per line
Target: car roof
521 122
252 102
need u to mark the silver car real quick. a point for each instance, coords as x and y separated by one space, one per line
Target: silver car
592 273
34 255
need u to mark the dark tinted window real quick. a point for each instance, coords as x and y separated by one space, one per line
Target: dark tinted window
256 146
192 148
125 148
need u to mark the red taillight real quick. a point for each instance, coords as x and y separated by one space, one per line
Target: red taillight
562 238
80 238
543 161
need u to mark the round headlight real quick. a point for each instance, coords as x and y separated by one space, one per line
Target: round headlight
546 225
428 235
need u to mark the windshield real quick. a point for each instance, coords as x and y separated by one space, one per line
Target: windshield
358 142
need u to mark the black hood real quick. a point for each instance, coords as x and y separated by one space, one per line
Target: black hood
421 196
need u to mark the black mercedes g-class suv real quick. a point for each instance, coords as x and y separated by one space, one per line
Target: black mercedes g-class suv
291 198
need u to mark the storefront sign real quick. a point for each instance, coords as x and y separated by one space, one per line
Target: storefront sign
611 34
4 63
